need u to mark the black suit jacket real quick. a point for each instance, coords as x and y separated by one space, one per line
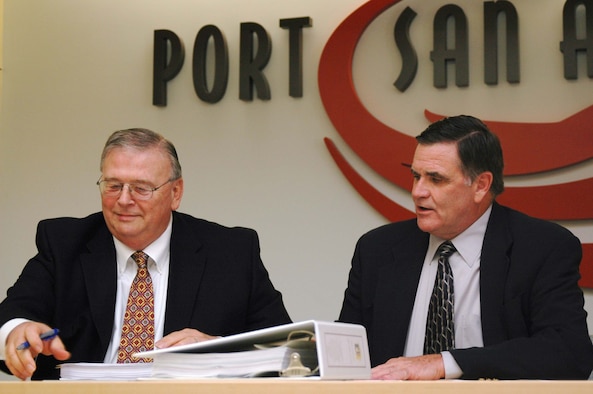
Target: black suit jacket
217 284
533 321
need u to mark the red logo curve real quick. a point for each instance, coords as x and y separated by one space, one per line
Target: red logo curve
552 145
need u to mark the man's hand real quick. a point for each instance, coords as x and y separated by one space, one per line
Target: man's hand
429 367
183 337
21 363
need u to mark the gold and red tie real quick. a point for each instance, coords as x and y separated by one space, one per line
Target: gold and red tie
138 325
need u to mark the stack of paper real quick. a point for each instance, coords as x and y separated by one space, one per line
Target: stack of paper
100 371
325 350
262 362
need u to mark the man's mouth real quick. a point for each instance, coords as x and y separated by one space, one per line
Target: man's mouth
126 215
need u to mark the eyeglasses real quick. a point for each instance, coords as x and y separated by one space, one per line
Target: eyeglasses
138 191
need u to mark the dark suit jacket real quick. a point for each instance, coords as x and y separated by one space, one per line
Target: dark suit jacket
533 321
217 284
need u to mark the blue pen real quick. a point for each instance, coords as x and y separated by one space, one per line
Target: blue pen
46 336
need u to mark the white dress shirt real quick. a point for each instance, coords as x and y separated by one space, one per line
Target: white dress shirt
158 267
465 264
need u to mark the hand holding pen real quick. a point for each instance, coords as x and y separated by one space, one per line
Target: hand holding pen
46 336
26 341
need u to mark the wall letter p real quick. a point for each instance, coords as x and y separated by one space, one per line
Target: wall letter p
165 67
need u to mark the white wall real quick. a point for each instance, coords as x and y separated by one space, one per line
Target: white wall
74 71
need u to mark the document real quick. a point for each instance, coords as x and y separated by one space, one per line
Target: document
311 349
101 371
262 362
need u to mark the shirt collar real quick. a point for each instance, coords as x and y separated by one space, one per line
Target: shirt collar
468 243
158 251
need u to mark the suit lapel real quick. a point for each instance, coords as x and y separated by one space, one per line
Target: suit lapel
186 268
396 288
99 269
494 266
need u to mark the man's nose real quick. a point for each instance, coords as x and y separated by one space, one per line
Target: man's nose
125 196
419 189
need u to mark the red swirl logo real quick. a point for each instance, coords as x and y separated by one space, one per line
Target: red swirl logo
383 148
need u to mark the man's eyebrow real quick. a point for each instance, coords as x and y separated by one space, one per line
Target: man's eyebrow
431 174
133 181
435 173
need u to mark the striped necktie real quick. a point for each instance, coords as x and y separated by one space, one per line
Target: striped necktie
440 330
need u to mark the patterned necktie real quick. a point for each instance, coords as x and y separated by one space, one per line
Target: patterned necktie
440 332
138 326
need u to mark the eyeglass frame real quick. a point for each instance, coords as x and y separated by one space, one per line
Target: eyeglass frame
131 188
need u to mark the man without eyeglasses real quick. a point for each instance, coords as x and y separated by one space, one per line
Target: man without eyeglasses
502 298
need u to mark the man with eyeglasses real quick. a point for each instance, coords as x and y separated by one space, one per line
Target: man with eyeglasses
207 280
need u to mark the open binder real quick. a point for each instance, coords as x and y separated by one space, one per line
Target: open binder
325 350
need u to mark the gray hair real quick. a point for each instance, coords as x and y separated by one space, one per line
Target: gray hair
143 139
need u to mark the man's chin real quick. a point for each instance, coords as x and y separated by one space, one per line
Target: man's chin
425 224
126 227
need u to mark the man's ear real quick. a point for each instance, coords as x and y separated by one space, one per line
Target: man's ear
177 191
482 185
